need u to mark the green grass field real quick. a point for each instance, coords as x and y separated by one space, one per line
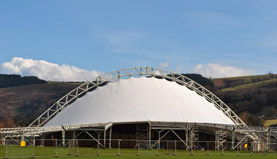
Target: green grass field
51 152
250 85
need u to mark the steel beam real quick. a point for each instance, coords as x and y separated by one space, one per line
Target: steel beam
129 72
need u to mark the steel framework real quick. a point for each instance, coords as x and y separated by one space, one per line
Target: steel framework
220 139
163 128
134 72
240 134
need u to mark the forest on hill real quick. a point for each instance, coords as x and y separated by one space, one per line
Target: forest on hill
253 98
17 80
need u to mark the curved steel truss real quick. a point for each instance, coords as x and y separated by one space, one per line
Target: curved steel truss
134 72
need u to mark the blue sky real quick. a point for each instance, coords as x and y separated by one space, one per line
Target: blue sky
217 38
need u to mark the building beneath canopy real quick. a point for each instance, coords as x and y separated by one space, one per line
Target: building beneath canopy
142 106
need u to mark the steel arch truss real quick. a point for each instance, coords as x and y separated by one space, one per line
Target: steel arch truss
134 72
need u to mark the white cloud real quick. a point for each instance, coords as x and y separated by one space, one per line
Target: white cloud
164 64
217 70
46 70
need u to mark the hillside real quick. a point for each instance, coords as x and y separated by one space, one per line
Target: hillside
250 97
20 105
254 98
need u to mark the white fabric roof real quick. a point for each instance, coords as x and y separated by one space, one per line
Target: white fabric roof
139 100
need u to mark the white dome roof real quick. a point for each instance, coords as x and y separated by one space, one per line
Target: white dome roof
140 100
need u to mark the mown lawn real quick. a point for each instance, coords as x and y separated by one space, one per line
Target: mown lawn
51 152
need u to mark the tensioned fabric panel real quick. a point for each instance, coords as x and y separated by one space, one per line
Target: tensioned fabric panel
140 100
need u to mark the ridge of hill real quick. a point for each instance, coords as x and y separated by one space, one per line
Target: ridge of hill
254 98
16 80
249 97
242 80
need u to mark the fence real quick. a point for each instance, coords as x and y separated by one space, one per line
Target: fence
15 148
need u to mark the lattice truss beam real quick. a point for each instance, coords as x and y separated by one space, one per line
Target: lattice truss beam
34 131
133 72
220 139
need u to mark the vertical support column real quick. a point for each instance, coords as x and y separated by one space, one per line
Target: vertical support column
255 145
56 145
110 142
6 148
252 146
63 138
33 146
98 141
159 146
149 136
233 139
42 139
22 137
104 137
118 151
175 148
220 139
138 148
187 139
191 138
73 134
216 141
268 139
4 141
34 140
73 138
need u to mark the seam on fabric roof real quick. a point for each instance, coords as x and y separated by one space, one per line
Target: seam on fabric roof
188 107
107 107
132 107
115 86
216 113
213 112
181 106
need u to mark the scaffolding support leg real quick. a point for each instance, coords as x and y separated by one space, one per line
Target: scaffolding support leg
42 139
233 139
149 136
187 139
63 138
110 136
267 140
104 142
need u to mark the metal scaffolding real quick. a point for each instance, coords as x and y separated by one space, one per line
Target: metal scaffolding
264 139
220 139
194 136
240 132
134 72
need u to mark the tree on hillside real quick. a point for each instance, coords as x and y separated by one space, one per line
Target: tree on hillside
201 80
17 80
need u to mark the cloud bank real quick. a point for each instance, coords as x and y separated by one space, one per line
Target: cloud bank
217 71
46 70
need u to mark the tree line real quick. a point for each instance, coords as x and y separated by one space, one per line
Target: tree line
17 80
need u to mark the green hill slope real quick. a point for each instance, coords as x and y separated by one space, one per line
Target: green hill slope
20 105
250 96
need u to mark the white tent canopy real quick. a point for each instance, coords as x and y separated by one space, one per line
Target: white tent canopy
140 100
